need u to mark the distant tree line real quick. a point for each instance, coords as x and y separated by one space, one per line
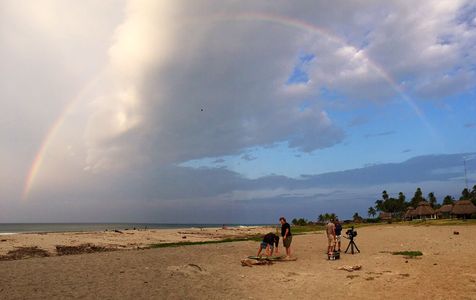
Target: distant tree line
398 206
323 218
301 222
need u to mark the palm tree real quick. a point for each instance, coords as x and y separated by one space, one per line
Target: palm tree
432 199
372 211
320 218
465 195
448 200
356 217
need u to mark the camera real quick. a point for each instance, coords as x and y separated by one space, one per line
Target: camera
351 233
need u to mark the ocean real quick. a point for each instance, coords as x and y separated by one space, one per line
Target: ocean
13 228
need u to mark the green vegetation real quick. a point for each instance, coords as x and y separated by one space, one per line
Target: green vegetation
408 253
398 206
300 222
297 230
322 218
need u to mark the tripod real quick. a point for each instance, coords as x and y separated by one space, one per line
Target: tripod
352 244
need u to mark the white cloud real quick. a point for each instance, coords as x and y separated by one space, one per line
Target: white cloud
192 79
202 83
202 89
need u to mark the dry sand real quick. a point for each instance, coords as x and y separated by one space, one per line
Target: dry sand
125 239
447 270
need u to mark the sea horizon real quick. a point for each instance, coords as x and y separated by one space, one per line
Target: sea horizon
15 228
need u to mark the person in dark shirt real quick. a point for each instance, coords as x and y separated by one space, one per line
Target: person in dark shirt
269 241
286 234
338 230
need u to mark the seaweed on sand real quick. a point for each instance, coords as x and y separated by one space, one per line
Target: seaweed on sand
24 252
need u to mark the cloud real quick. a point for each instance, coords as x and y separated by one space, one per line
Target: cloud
179 194
183 98
470 125
200 80
167 80
434 55
359 120
384 133
248 157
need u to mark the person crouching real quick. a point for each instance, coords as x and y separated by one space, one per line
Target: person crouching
270 240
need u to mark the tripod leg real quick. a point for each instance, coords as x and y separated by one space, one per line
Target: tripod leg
356 247
347 248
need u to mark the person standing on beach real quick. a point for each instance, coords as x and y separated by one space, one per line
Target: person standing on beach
338 230
286 234
331 236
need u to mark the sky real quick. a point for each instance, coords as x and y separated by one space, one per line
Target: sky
231 111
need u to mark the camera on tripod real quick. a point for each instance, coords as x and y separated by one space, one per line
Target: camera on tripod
351 233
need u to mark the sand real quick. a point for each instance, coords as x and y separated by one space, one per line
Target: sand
447 270
125 239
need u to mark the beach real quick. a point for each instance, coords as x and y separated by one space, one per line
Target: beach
446 270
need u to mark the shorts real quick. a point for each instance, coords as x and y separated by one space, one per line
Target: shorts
330 240
264 245
287 241
338 238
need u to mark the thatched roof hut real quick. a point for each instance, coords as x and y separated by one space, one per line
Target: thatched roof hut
385 216
445 208
425 211
410 213
463 208
444 211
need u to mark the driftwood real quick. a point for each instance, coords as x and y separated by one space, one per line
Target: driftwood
350 268
253 262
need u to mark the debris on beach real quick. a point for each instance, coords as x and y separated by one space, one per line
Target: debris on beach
350 268
274 258
247 262
84 248
24 252
455 232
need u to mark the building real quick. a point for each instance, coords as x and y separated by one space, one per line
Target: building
444 212
409 214
385 216
424 211
463 209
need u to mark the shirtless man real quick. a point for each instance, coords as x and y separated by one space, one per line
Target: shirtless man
331 236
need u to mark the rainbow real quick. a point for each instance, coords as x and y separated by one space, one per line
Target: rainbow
49 137
309 27
261 17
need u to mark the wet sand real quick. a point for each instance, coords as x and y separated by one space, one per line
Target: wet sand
447 270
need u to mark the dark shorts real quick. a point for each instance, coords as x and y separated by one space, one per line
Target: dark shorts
264 245
287 241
